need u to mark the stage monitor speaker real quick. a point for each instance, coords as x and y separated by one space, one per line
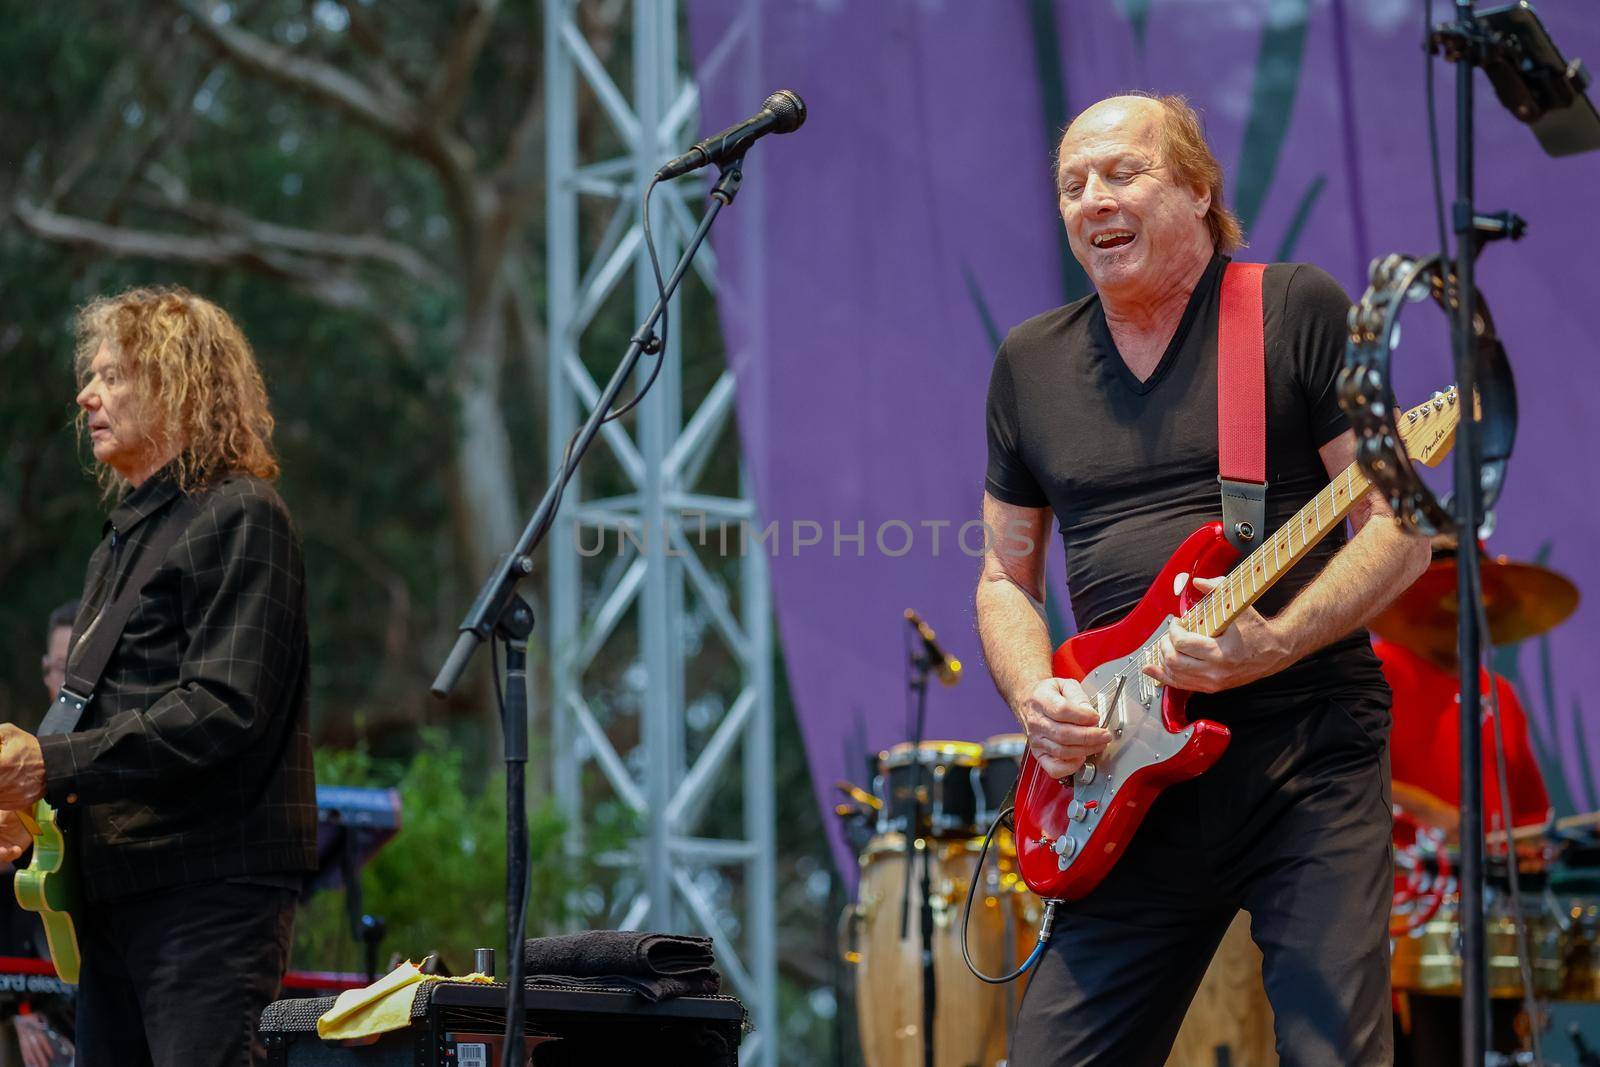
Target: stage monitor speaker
458 1025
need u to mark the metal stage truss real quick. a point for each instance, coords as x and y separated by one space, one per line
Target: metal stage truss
675 875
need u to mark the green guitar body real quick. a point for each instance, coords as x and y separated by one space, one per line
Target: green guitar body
49 886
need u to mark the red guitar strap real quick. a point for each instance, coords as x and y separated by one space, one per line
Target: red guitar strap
1242 405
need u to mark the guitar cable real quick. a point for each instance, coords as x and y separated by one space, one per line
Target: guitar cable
1046 925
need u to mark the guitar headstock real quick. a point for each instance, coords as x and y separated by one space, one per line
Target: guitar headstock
1429 429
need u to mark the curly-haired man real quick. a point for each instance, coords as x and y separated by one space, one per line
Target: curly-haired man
185 786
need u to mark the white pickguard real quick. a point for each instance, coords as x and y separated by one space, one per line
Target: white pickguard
1130 707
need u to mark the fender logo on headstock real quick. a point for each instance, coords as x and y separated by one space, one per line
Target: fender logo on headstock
1437 418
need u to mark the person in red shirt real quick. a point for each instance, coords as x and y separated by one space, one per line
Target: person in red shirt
1425 743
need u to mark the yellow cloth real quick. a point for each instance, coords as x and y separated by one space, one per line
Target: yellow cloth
380 1007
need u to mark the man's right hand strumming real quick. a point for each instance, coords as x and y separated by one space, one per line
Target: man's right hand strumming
1062 726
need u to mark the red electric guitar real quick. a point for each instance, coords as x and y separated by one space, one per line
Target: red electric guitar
1070 833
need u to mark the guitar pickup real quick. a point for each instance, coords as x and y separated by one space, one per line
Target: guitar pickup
1108 707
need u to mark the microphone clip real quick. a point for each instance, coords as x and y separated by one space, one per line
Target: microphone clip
728 182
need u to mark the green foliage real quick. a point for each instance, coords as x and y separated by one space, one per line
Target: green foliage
439 885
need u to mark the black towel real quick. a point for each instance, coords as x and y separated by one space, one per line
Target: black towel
596 952
654 965
651 989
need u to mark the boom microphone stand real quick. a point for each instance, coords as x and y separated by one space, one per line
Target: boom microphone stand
1468 493
1540 88
500 612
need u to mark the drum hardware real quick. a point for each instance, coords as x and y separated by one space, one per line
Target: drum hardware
1428 958
931 789
859 815
1561 938
1427 882
849 922
1579 981
1521 600
863 799
1587 1057
924 656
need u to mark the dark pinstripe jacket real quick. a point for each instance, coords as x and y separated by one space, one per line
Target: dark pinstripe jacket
193 761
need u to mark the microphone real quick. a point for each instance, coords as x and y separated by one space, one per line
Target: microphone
782 112
944 664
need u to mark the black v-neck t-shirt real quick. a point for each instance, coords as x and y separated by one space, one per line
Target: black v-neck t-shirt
1130 467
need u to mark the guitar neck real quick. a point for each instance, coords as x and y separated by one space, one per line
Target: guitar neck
1257 572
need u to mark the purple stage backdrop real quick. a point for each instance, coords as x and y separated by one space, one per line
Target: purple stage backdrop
877 255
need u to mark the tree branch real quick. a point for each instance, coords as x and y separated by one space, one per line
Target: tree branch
175 197
215 251
85 146
393 75
167 125
394 116
335 288
319 80
454 77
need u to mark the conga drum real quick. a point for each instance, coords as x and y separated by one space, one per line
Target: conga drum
941 778
970 1017
1002 762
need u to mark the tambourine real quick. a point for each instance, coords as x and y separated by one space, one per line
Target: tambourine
1366 391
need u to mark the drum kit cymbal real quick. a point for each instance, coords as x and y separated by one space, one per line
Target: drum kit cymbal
938 798
1521 600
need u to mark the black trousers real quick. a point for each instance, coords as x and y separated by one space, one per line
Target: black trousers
180 978
1293 826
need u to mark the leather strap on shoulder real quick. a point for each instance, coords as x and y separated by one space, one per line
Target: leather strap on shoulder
1242 405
